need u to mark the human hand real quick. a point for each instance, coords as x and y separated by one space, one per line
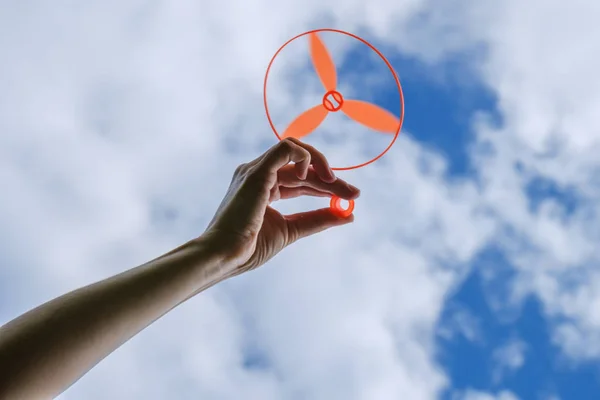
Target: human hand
247 231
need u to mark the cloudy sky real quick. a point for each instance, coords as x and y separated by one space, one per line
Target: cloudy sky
471 271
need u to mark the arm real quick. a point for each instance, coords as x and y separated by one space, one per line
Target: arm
47 349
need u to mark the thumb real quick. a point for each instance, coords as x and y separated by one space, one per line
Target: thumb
308 223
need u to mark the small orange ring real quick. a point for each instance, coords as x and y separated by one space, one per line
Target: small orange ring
372 48
336 206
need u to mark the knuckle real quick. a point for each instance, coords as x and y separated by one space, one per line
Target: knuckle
293 140
287 144
240 169
306 155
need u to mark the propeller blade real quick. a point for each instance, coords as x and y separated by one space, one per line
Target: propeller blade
371 116
306 122
322 62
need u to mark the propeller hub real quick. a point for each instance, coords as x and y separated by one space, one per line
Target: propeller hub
333 101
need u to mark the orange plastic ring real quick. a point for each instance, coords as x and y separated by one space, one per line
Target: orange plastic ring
336 206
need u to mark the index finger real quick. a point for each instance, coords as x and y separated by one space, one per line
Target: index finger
318 161
282 154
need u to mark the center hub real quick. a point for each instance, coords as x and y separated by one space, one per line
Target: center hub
333 101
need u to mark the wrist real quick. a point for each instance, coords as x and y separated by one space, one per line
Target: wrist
216 255
198 263
231 251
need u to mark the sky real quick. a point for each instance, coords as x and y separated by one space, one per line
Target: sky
470 272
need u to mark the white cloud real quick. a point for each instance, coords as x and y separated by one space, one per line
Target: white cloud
461 322
541 67
511 355
477 395
509 358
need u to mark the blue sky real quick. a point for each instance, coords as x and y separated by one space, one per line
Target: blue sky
441 99
440 104
544 372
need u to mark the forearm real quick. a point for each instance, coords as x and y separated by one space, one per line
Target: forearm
46 350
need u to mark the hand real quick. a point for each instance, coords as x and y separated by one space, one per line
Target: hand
247 231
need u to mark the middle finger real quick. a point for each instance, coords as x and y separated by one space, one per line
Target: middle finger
286 177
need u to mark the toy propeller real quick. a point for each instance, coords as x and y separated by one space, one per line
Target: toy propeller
363 112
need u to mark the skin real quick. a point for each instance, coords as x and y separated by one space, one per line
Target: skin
46 350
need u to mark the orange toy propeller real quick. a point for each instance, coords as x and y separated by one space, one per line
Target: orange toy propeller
371 116
306 122
363 112
323 62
